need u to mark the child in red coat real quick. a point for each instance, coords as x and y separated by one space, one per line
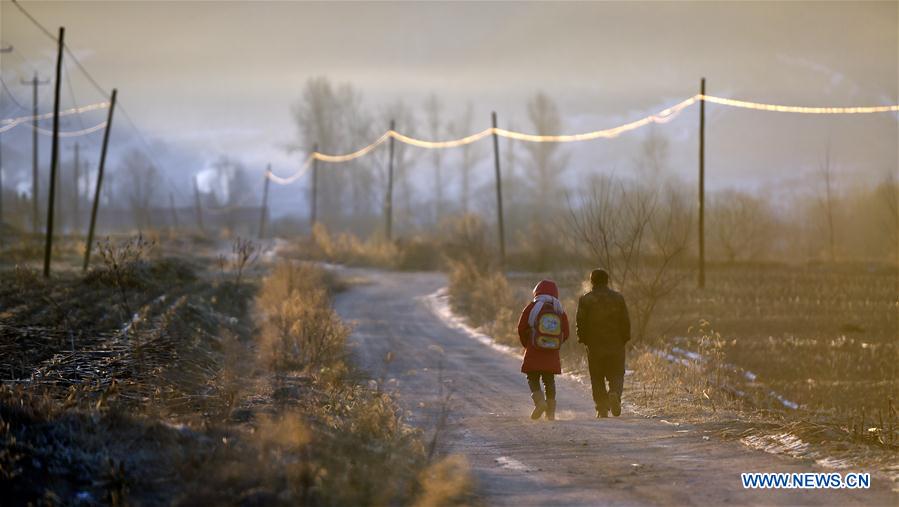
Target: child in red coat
542 328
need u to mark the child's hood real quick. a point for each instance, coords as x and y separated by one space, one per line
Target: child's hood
546 287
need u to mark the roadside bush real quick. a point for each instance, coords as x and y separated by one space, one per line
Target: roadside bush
346 444
123 263
300 330
484 297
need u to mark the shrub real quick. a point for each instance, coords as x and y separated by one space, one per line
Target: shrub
300 330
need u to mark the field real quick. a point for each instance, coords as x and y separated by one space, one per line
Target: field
824 337
779 356
195 372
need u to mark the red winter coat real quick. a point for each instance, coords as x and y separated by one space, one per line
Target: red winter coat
537 360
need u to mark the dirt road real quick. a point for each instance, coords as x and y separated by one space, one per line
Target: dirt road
576 460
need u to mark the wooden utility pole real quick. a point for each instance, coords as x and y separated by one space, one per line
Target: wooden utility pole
2 50
54 156
313 200
499 195
35 181
197 207
702 185
268 170
388 208
96 205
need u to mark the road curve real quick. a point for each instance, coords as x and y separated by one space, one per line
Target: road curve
576 460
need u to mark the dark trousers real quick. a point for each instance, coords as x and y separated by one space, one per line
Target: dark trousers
549 382
605 366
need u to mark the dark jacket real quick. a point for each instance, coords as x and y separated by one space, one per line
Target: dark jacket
603 324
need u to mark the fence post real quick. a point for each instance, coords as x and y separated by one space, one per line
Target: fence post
54 157
268 170
389 206
702 184
499 195
90 230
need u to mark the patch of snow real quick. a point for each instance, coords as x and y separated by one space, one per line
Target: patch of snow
84 497
785 402
691 355
439 304
833 463
686 358
781 443
511 464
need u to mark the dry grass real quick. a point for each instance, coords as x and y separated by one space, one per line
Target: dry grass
164 403
351 434
299 328
409 253
822 337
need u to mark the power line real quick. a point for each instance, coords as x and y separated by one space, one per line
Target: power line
72 94
78 63
11 96
65 46
798 109
121 107
663 116
9 123
70 133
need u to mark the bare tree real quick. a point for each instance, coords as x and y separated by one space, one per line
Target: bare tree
139 183
546 162
652 160
334 119
404 157
827 202
740 225
888 191
360 130
230 189
433 111
462 127
638 234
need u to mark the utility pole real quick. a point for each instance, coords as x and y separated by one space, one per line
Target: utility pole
499 195
35 182
702 185
268 170
90 230
2 50
197 207
388 208
54 156
313 200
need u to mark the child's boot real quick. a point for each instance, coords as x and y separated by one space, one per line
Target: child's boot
550 410
539 404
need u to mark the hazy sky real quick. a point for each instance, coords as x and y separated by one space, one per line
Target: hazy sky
219 77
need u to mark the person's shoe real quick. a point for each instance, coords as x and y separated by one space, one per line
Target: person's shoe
602 412
539 404
615 402
550 410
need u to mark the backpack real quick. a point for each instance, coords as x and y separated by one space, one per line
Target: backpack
546 332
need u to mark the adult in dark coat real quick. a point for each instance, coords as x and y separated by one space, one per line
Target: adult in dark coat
603 325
